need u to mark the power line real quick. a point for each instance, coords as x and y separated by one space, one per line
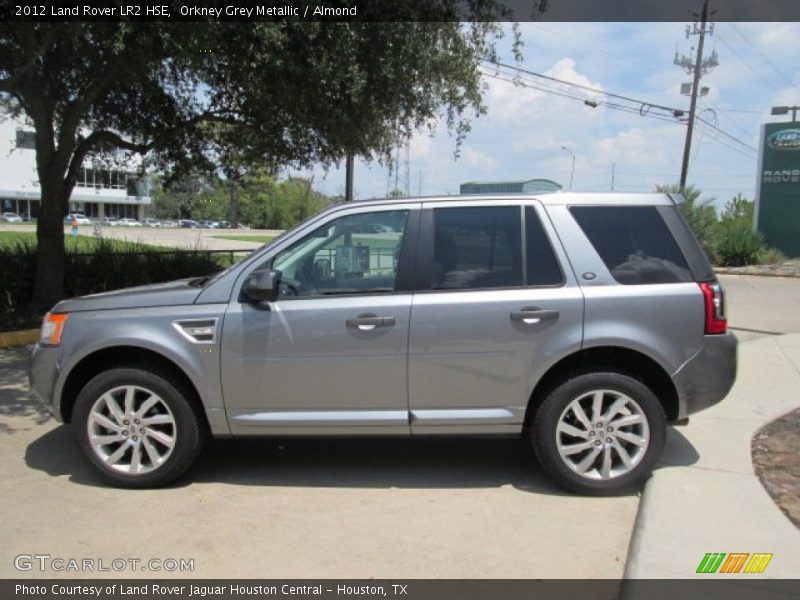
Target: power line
747 64
763 56
726 134
642 103
643 109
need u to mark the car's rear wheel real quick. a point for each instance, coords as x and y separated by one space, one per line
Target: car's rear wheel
599 433
136 427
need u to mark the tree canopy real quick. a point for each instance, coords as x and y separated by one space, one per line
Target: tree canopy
188 95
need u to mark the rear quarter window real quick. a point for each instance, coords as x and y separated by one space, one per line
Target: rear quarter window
634 243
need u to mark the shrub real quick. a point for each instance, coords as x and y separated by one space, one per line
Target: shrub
771 256
108 265
735 244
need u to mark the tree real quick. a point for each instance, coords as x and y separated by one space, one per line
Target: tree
280 93
700 214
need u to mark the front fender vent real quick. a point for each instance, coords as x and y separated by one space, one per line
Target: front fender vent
199 331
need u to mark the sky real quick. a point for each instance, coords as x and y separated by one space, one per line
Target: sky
522 135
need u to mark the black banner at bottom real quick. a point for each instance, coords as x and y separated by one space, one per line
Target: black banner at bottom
734 588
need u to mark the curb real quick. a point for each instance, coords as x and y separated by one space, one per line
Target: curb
11 339
754 274
673 526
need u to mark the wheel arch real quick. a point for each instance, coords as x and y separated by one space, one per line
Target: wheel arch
616 358
104 359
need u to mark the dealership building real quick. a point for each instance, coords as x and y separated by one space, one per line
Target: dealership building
100 191
528 186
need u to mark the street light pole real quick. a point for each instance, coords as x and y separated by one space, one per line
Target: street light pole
572 172
785 110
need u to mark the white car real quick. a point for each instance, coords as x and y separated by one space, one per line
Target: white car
110 221
129 223
151 222
81 219
10 217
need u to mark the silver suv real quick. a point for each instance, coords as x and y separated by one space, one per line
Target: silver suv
586 322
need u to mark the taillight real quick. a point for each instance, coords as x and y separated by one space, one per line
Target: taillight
714 298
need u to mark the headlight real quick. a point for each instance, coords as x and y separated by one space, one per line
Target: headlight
52 327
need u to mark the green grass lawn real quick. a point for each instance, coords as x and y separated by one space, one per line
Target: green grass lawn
79 245
260 239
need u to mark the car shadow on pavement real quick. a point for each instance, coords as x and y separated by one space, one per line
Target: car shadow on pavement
428 463
18 405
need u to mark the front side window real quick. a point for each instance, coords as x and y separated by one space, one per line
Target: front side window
354 254
476 247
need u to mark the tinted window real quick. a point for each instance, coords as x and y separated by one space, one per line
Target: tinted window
349 255
634 242
541 264
476 248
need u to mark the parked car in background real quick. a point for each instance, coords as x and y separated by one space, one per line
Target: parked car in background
188 224
585 323
81 219
151 222
129 223
223 225
10 217
207 224
110 221
169 224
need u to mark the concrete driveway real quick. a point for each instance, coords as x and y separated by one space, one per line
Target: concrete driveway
301 508
346 508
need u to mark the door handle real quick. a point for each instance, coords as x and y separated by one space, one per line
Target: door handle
369 321
530 315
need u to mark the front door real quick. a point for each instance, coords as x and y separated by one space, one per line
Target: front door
330 355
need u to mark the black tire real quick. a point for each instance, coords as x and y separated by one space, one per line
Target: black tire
545 437
188 430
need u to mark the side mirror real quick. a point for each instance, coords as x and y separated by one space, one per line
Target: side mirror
262 286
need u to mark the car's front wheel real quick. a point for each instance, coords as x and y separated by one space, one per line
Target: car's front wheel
599 433
137 427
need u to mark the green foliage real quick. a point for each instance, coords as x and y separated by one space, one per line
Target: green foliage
701 215
270 93
263 202
729 239
771 256
736 245
99 265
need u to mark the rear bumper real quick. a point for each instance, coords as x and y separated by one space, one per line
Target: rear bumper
708 376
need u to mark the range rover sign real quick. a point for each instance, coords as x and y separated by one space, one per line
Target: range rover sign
778 189
786 139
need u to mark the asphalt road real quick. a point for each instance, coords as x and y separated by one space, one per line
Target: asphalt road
337 508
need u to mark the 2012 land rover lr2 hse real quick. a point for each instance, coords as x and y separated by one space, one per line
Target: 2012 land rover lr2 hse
586 322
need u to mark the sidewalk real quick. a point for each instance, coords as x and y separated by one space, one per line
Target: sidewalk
718 504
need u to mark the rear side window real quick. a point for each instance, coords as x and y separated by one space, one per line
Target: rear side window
476 247
541 265
634 243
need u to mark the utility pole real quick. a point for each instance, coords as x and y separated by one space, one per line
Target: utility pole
698 69
572 171
613 174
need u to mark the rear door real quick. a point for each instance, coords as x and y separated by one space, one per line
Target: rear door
496 305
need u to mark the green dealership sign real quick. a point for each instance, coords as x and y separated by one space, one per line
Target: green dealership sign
778 197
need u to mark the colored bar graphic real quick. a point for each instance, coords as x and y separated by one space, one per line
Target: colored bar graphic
734 562
713 562
758 563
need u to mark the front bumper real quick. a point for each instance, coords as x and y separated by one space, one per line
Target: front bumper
42 375
708 376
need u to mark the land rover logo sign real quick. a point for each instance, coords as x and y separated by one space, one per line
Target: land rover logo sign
786 139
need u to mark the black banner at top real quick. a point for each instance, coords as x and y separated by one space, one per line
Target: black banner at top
398 10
